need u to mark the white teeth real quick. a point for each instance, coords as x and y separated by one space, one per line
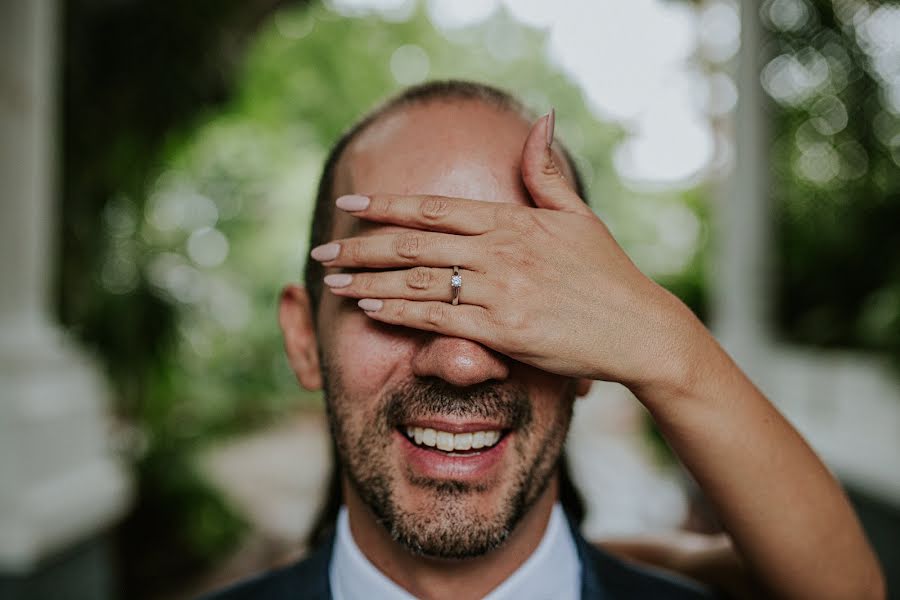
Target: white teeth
429 437
448 442
444 441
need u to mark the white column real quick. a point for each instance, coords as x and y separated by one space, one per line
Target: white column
741 280
847 404
58 481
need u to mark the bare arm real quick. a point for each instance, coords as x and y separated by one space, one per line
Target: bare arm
788 517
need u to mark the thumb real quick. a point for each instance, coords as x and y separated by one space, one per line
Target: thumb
543 178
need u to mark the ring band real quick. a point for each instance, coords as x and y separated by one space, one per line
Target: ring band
455 285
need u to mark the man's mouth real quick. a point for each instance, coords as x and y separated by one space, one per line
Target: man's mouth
455 444
449 449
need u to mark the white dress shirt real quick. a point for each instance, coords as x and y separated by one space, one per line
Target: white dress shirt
553 571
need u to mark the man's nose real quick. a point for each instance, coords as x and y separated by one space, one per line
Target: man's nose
458 361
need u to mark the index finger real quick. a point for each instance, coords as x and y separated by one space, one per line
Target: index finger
434 213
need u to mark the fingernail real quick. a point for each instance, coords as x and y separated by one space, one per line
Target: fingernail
370 304
326 251
551 124
338 279
352 202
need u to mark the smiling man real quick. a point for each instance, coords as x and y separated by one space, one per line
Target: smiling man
472 296
448 448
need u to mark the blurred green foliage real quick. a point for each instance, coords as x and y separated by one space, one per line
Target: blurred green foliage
834 78
135 74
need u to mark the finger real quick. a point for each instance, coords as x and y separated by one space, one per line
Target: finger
402 249
435 213
418 283
544 180
463 320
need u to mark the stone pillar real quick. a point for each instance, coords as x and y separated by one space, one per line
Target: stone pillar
59 484
741 276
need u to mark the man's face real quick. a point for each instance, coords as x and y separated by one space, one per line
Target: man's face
390 390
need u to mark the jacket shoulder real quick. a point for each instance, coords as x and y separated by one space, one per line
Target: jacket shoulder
306 578
620 579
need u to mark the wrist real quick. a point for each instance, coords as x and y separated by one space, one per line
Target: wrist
686 358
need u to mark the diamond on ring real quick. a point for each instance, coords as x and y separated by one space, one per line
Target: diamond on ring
455 285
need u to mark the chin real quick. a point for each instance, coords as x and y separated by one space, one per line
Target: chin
454 530
455 520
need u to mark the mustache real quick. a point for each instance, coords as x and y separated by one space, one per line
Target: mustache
507 404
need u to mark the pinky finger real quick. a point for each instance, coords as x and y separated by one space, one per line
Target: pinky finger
463 320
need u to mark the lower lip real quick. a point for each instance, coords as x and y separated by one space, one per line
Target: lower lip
435 464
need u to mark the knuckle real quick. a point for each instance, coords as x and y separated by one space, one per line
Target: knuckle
549 169
364 282
435 313
516 324
520 221
387 205
400 310
514 253
434 208
419 278
380 204
354 252
408 245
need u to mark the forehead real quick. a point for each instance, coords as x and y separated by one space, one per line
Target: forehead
464 149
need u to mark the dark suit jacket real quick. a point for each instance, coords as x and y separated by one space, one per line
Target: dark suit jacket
603 577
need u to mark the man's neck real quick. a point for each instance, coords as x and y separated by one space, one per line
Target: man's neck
439 578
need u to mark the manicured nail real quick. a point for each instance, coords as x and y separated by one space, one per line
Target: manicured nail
326 251
338 279
370 304
352 202
551 123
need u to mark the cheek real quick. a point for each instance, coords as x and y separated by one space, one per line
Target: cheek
550 422
367 354
552 399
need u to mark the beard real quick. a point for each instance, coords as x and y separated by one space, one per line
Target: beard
450 528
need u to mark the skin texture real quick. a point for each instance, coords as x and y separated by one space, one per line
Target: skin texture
549 302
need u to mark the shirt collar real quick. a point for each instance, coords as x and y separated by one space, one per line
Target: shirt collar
552 571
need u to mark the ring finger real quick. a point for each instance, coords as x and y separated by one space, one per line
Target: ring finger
417 283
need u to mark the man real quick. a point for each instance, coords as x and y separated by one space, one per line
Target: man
472 295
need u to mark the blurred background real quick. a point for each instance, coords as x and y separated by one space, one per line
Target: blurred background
158 163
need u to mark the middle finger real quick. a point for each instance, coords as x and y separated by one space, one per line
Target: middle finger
406 248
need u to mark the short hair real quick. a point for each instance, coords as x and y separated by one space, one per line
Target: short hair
446 90
321 231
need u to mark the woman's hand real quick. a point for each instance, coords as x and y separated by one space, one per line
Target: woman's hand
545 285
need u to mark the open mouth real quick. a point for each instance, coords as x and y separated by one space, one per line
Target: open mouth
453 444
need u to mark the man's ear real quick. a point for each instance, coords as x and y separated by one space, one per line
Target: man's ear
296 321
582 387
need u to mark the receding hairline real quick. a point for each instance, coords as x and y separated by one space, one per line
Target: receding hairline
343 179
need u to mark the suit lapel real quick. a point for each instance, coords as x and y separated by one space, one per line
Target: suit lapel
591 588
311 575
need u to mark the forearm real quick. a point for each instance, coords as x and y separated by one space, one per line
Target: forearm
787 516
